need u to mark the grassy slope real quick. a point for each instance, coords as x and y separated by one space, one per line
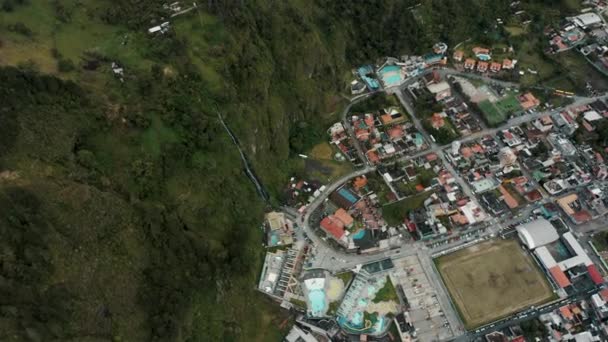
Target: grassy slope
109 273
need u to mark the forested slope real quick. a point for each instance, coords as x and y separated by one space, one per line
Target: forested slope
125 213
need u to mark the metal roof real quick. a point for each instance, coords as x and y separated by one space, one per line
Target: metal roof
537 233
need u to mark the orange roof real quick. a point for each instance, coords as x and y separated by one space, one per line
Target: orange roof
386 118
419 187
343 216
482 65
431 157
466 152
469 63
534 195
458 54
479 49
604 294
559 277
546 120
495 66
581 216
437 121
373 156
333 228
477 148
360 182
362 134
528 101
395 132
459 219
508 198
565 311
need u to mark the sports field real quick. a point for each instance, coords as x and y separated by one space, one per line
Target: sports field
491 113
496 113
492 280
508 105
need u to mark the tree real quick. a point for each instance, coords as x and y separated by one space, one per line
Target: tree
65 65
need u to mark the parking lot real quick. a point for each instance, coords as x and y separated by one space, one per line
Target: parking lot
425 310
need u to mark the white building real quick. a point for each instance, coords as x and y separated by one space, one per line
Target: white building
537 233
587 19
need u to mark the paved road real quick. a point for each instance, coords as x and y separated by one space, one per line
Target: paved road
526 315
349 127
335 260
327 256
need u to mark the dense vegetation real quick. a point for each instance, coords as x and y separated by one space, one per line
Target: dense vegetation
125 213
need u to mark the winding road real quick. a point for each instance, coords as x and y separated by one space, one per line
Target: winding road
327 257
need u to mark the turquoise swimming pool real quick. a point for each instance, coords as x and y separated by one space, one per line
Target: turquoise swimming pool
484 57
317 302
391 75
359 234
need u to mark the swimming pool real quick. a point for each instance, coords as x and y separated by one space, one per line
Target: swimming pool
317 302
359 234
391 75
484 57
357 319
349 196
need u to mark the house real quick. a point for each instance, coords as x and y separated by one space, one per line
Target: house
481 51
469 64
495 67
544 124
344 217
458 55
396 132
437 120
589 119
508 198
528 101
482 66
587 19
334 228
508 64
359 183
441 90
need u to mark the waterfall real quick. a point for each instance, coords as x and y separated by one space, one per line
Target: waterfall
258 186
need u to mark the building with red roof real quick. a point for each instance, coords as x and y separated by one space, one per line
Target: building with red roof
507 64
482 66
333 228
344 217
396 132
437 121
372 156
495 67
534 196
560 277
431 157
566 312
469 64
594 274
458 55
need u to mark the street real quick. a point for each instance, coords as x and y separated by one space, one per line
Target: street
336 260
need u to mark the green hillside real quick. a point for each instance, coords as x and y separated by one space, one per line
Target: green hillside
125 213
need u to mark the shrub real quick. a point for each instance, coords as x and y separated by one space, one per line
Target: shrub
21 28
65 65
